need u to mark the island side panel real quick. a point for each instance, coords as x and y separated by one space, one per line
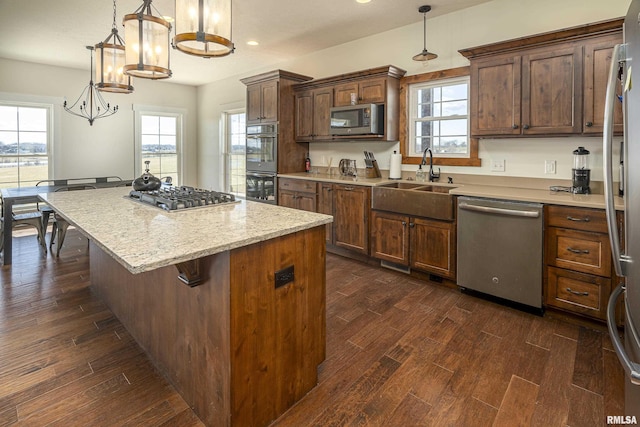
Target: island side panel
277 335
184 330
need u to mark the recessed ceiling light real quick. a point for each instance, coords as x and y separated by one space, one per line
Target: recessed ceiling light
253 43
363 1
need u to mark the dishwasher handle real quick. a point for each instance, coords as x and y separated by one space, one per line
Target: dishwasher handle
500 211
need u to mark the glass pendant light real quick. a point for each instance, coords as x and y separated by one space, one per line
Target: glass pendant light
147 43
110 61
90 104
203 27
425 55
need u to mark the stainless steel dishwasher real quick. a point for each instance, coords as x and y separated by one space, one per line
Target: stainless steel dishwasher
500 249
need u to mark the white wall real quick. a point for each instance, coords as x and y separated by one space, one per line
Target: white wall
487 23
107 147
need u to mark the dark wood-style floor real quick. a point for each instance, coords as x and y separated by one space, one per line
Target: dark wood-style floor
400 352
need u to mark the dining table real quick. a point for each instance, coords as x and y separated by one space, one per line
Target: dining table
26 195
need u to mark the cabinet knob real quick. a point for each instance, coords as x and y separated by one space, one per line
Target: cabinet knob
404 223
525 127
411 225
514 127
589 124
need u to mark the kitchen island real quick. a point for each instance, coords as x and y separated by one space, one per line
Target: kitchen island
228 301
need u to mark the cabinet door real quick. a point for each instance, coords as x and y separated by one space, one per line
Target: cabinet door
495 96
287 198
597 59
390 237
433 246
254 104
342 93
269 94
306 201
551 90
372 91
351 217
322 103
325 206
304 115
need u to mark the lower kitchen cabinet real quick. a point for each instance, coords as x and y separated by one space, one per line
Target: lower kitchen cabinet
578 272
297 194
420 243
351 206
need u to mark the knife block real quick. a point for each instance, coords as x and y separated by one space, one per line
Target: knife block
372 171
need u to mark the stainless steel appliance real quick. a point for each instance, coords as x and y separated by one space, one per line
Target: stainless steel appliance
172 198
262 187
581 171
347 167
361 119
500 249
262 148
262 163
626 260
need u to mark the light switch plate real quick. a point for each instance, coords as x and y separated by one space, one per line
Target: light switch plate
497 165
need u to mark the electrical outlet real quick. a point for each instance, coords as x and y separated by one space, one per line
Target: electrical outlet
497 165
550 167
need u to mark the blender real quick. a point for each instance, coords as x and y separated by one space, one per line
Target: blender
581 171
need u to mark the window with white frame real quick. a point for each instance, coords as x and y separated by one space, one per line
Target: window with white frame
25 143
234 144
439 118
159 139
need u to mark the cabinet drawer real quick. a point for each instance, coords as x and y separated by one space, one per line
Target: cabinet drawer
579 251
577 292
301 185
577 218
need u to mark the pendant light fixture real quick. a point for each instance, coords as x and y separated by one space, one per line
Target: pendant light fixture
90 104
110 61
203 27
147 43
425 55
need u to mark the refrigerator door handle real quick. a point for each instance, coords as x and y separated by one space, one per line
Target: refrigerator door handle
632 368
607 137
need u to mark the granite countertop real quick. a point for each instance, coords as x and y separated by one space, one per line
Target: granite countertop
143 237
538 195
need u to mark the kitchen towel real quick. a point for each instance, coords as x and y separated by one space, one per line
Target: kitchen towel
395 167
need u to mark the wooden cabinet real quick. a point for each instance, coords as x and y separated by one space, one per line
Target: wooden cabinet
325 206
297 194
270 98
312 114
420 243
597 59
314 99
369 91
262 102
579 273
351 206
549 84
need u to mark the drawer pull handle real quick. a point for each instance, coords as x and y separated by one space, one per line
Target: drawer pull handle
582 294
585 219
348 188
578 251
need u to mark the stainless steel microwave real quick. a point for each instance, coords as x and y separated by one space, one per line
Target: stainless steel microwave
361 119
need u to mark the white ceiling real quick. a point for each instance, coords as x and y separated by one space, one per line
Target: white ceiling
56 32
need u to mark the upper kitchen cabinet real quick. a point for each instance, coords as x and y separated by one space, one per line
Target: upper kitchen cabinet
314 99
262 102
369 91
548 84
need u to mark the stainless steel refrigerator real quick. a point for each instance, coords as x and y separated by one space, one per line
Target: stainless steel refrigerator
625 71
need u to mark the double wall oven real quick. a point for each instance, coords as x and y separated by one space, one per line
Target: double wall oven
262 163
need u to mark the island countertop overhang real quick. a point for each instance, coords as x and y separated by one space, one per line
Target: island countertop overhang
143 238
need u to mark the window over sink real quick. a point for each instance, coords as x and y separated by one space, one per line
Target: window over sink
435 111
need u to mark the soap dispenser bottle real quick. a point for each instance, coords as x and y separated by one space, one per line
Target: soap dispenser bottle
420 174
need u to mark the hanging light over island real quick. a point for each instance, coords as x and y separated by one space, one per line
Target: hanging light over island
203 28
110 61
147 43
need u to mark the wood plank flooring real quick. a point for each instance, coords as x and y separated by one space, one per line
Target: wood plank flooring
400 352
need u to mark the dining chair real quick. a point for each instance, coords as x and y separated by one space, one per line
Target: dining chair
60 225
33 219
